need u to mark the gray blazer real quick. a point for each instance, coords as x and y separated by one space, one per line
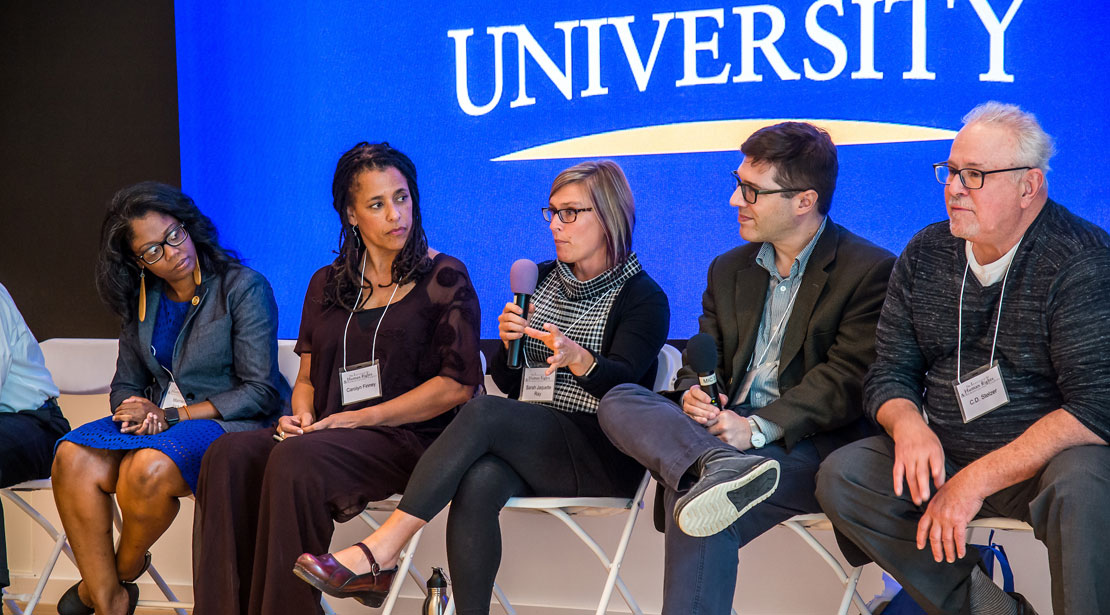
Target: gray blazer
226 352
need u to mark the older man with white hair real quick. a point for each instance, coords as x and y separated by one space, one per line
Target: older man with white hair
992 383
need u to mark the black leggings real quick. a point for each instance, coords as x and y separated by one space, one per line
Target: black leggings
498 448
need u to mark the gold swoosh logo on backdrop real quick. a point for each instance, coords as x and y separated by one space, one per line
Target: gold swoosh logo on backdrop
716 136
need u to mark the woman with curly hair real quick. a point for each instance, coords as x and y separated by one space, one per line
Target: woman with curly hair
197 358
388 350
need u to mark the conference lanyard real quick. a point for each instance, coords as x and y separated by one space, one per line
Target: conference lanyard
363 381
756 367
778 328
983 390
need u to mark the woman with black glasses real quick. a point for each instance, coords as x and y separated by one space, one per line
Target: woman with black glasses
197 358
599 321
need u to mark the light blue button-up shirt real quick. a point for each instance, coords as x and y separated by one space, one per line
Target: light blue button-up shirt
772 327
25 384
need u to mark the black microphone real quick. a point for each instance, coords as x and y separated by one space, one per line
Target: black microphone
522 280
701 351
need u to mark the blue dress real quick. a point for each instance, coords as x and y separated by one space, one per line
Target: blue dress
185 442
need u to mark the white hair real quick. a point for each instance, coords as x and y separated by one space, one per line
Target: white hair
1034 145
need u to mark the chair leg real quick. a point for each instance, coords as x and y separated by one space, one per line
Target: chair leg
405 564
407 555
614 570
615 566
60 545
849 580
12 605
503 599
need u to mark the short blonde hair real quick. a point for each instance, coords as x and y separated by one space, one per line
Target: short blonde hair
611 198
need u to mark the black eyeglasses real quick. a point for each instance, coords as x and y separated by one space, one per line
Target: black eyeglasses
972 179
567 215
751 193
174 237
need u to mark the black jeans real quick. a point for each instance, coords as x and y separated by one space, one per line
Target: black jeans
498 448
26 452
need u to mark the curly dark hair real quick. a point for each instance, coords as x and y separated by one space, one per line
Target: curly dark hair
410 264
117 268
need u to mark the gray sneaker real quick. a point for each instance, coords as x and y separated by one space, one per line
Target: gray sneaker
729 484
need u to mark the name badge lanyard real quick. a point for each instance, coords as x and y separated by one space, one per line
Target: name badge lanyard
536 384
982 390
753 365
172 398
361 382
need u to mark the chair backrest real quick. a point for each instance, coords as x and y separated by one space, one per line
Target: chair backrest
81 366
289 362
670 360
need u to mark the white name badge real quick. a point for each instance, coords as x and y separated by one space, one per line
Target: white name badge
173 397
360 383
982 391
537 385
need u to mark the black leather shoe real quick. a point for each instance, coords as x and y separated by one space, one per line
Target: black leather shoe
70 603
729 484
132 596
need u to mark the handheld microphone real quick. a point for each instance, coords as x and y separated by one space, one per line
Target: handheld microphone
522 280
701 351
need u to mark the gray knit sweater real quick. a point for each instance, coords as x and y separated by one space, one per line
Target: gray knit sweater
1053 343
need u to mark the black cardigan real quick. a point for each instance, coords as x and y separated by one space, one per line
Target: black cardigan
635 330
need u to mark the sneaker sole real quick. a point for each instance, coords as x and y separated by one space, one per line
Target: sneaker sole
721 505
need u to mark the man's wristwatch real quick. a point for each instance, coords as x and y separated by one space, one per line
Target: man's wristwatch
172 415
758 439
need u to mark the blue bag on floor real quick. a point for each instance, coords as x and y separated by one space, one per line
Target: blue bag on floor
990 553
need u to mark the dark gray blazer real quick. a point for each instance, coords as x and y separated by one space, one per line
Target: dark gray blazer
829 340
226 352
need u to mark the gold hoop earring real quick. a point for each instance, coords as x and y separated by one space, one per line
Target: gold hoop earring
142 294
196 275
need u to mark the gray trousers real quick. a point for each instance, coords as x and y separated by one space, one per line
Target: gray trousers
700 573
1067 504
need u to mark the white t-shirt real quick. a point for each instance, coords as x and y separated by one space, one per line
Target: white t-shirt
991 273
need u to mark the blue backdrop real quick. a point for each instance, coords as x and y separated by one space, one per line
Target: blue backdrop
272 93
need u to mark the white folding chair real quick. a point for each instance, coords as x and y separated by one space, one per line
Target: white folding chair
565 509
12 494
79 367
803 525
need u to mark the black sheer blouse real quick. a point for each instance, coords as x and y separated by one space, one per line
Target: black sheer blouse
431 331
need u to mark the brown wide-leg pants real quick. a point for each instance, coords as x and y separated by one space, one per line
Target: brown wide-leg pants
261 503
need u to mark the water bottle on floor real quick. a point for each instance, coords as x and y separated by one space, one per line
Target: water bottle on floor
436 601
